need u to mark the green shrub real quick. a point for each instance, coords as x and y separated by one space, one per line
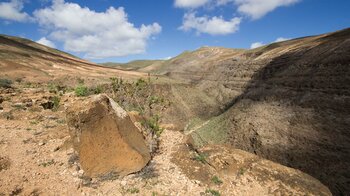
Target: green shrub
212 192
140 83
116 83
155 100
216 180
56 88
48 163
241 171
153 124
5 83
96 90
133 190
56 103
81 91
200 157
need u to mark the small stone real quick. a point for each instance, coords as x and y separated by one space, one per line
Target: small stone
123 183
81 172
56 149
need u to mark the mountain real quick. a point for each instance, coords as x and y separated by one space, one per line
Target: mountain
288 102
137 65
22 58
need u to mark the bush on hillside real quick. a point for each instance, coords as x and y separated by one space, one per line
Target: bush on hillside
81 91
5 83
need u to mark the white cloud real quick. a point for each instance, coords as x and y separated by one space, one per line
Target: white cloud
190 3
259 44
259 8
254 9
212 26
12 10
281 39
46 42
96 34
256 45
223 2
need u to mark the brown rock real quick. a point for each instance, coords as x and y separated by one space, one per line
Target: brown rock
105 138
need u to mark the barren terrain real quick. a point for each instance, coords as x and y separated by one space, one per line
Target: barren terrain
273 120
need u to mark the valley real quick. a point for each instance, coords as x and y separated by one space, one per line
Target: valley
270 120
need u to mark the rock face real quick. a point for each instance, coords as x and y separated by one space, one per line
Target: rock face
105 138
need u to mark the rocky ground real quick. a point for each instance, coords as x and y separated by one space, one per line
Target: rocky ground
36 158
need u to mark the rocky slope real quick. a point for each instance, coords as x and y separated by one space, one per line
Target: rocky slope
288 102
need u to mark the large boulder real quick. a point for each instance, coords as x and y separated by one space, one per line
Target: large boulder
105 138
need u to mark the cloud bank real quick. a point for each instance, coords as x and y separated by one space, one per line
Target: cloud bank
96 34
217 25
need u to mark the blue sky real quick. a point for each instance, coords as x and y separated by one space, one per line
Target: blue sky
124 30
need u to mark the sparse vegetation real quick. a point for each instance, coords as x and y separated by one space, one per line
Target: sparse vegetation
9 115
153 124
241 171
200 157
5 83
96 89
47 163
81 91
57 88
56 103
212 192
140 96
30 85
19 106
133 190
216 180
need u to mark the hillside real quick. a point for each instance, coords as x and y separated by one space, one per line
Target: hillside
137 65
28 60
287 102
